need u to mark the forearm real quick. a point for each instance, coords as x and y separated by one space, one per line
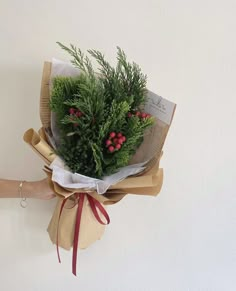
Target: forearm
10 189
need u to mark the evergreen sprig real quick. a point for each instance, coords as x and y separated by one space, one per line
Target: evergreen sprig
91 106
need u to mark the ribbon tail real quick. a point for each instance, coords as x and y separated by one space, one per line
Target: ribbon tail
77 228
61 209
94 204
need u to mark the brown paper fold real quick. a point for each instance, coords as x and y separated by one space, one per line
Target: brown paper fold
45 113
39 145
114 195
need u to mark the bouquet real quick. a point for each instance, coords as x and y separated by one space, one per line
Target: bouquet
101 139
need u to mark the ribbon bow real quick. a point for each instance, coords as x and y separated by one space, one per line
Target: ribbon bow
94 204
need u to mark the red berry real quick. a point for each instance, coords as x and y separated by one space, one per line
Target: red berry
137 113
112 134
148 116
123 138
119 134
108 142
78 113
129 114
115 140
143 115
72 111
120 140
118 146
111 149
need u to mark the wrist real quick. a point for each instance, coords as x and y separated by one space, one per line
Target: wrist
38 189
30 189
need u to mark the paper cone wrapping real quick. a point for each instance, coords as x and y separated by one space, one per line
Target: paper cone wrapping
90 229
149 182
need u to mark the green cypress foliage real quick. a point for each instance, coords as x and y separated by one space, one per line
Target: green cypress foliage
91 106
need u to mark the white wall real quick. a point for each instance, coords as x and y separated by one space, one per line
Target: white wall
182 240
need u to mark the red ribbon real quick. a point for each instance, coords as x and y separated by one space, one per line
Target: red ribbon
94 204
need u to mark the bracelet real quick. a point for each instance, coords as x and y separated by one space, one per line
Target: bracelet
23 202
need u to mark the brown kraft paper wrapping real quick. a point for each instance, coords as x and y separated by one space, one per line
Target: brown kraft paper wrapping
90 228
148 182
